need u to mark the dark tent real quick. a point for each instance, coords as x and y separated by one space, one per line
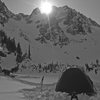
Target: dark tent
74 80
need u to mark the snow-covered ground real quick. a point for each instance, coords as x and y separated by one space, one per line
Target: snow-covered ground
49 78
9 89
26 87
48 91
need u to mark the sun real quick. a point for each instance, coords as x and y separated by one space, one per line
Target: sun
46 7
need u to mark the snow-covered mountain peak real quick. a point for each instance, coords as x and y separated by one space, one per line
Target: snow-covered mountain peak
5 13
35 12
64 35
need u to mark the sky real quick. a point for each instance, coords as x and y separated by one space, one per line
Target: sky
90 8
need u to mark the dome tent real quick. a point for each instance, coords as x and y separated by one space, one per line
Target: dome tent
74 81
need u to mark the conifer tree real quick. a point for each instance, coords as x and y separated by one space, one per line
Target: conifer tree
19 53
29 53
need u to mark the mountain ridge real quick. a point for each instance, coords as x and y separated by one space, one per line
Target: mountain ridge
36 11
64 37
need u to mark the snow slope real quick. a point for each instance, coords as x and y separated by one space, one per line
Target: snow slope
9 89
63 36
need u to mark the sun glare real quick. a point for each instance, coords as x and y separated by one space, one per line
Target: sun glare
46 7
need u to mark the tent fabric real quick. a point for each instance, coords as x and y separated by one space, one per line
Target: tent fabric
74 80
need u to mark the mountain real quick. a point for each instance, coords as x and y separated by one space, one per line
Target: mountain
5 13
65 36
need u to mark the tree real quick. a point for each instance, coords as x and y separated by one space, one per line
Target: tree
10 44
19 54
13 48
7 42
18 49
15 69
29 53
0 69
3 38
